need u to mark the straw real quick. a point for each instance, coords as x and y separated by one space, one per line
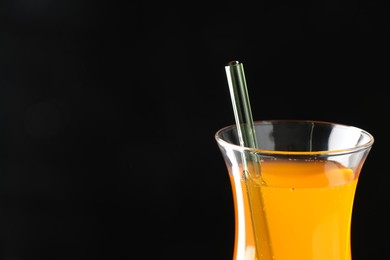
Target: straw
247 138
241 105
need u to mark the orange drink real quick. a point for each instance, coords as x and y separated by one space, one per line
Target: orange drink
293 196
307 206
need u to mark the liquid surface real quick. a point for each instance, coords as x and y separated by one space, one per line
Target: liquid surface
306 207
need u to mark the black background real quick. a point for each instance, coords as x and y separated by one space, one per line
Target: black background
108 112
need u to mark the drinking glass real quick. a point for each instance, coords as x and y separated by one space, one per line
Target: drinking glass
293 197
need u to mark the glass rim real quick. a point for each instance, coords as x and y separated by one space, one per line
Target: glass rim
260 151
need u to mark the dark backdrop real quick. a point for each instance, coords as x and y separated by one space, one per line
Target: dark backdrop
108 112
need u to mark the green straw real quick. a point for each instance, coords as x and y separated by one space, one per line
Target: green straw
247 138
241 105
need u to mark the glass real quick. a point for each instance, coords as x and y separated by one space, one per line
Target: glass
293 197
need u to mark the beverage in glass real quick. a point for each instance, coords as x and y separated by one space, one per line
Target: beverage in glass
294 195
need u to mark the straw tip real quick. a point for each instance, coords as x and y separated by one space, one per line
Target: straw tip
233 62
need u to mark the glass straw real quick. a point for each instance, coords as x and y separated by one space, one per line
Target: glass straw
241 106
247 138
